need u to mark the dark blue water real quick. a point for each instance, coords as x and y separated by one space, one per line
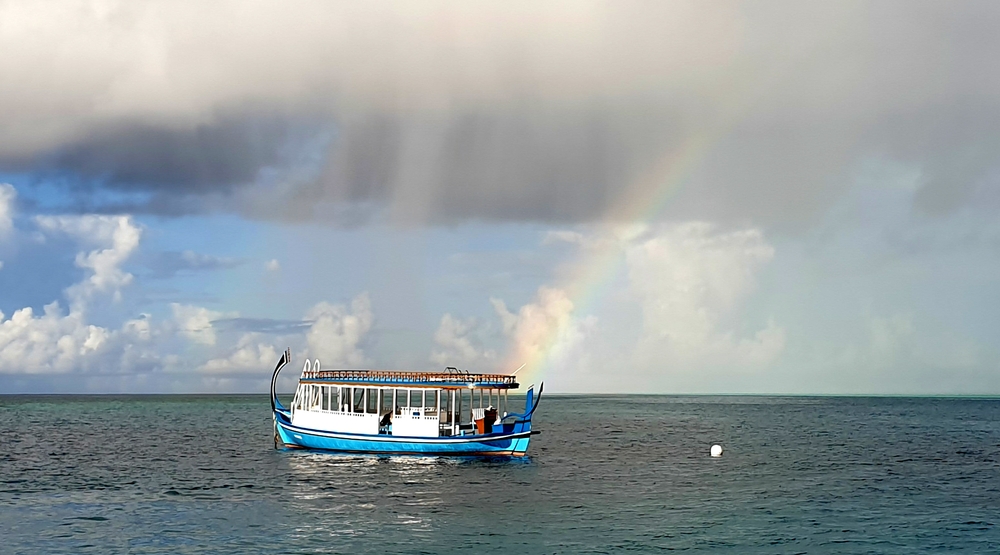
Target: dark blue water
608 474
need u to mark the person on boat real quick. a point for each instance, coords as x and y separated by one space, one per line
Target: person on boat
489 417
385 424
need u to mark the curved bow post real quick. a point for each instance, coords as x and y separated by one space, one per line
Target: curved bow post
530 404
286 357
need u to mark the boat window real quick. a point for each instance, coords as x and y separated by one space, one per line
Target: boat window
345 399
372 404
297 402
400 399
445 400
416 398
359 399
430 399
385 403
334 398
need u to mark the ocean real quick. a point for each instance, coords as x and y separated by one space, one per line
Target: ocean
608 474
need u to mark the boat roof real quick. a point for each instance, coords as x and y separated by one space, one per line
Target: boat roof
447 379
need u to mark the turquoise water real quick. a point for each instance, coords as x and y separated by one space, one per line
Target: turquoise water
179 474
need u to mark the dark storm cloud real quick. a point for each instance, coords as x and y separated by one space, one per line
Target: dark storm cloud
215 157
533 163
438 112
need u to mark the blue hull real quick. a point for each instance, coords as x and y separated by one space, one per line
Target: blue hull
513 443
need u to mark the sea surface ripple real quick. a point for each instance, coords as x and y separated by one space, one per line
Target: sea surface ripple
609 474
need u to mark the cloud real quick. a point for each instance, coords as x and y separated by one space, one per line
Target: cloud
336 334
54 342
49 342
139 329
217 346
570 112
7 197
252 353
195 322
59 341
272 326
672 322
459 346
120 235
688 279
170 263
543 334
895 342
272 265
333 333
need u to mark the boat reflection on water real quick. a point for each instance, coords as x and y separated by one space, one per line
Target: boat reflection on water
334 478
357 495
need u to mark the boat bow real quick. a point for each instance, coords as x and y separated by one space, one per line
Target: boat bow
530 404
275 403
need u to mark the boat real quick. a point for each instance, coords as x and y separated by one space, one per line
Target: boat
453 412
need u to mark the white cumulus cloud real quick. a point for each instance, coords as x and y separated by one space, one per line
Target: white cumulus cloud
52 341
674 317
49 342
195 322
458 345
544 334
688 280
117 234
336 333
252 353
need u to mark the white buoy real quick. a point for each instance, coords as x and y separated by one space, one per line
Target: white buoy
716 450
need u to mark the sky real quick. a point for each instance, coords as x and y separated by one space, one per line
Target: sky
612 197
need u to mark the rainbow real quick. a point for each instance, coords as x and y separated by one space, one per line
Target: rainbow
595 274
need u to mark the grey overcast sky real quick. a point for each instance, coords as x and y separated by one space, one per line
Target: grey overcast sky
785 197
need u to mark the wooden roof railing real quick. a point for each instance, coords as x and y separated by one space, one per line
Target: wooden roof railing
449 377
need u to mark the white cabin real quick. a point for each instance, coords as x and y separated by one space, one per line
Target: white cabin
424 406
